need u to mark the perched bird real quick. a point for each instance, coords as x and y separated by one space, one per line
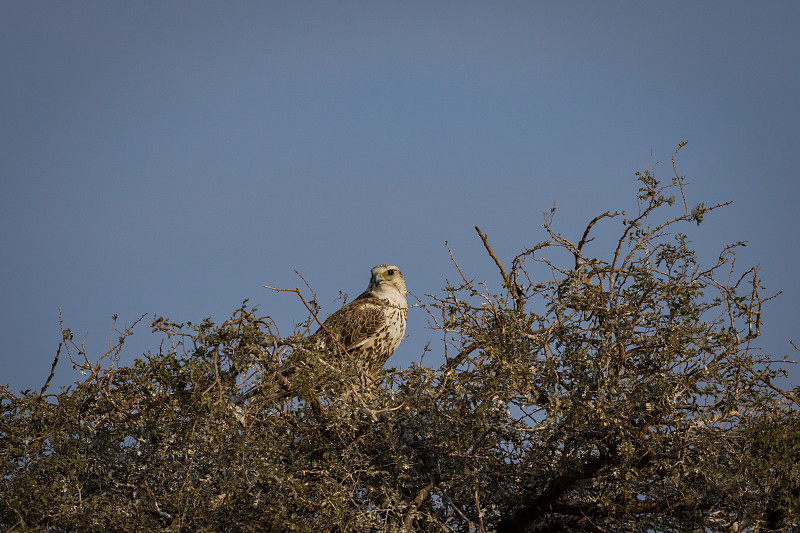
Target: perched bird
370 327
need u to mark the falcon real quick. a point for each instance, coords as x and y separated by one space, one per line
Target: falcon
370 327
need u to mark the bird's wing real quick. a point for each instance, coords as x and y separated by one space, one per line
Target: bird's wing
355 323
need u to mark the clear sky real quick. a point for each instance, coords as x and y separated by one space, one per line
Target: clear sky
171 158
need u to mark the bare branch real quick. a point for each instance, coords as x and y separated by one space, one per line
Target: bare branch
583 241
52 369
421 496
513 288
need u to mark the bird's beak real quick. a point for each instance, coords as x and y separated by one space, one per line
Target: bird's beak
377 279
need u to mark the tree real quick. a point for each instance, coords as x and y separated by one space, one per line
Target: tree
609 392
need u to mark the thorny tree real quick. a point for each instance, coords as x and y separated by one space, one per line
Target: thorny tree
617 391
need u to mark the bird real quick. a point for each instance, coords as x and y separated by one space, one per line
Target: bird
371 327
368 329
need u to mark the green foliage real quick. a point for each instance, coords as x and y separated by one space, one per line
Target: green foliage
616 392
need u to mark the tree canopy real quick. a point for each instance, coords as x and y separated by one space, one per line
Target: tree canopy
619 390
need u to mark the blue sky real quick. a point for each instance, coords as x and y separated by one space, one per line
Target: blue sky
172 158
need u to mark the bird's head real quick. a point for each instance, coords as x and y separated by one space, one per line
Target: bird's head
387 279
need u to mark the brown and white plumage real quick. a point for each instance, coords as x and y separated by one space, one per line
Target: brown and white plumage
370 327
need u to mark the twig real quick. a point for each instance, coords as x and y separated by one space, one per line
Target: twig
677 177
788 396
754 296
307 285
52 369
513 288
486 245
455 508
421 496
451 366
296 290
477 441
114 350
453 259
584 239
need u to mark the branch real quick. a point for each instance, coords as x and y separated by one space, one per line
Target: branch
422 495
579 252
678 178
544 504
52 369
513 288
450 368
630 507
296 290
791 397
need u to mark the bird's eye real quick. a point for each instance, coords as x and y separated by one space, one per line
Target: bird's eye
390 272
